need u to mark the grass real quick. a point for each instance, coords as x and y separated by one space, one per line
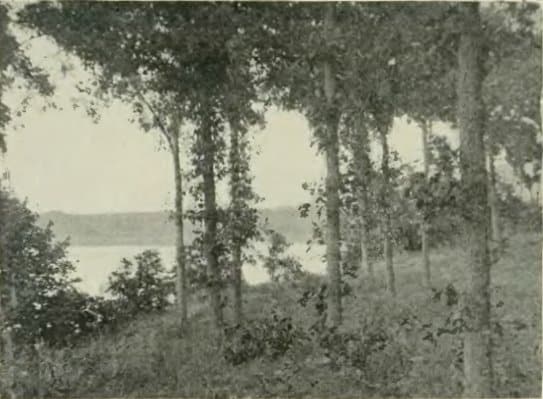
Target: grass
150 357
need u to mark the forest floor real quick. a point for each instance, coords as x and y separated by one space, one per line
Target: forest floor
410 345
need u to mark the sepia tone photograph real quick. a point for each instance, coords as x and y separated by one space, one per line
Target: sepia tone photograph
270 199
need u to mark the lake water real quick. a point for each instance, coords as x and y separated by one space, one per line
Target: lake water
94 264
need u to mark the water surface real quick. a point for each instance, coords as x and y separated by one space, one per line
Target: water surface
94 264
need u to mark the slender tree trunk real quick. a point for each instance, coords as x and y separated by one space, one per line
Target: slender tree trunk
540 192
9 350
477 340
426 132
210 233
13 300
332 183
237 285
6 291
361 157
493 201
386 222
10 344
235 156
181 274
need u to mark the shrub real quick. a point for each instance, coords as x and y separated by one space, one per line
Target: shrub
270 337
140 288
280 266
38 287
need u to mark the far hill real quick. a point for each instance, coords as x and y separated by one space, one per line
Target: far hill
154 228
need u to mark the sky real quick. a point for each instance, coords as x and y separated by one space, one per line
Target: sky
60 160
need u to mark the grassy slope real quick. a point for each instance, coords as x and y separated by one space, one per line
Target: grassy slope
150 357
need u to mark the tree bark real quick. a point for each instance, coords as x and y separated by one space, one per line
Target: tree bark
426 132
540 191
9 348
477 340
332 183
238 293
493 201
360 147
210 221
386 222
236 242
8 355
181 274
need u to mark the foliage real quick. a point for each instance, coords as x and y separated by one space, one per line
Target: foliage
280 266
211 65
140 50
512 87
142 287
14 64
437 198
268 337
38 283
383 349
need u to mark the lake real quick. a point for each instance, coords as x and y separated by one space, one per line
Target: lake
94 264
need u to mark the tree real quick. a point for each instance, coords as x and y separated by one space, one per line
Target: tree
477 344
35 265
389 67
181 287
299 50
332 174
184 49
243 219
427 92
5 309
511 92
235 228
386 227
160 112
360 149
13 64
426 128
169 122
36 285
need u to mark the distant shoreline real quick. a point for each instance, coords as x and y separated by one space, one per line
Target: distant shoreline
154 228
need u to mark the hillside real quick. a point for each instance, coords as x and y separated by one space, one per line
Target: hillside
393 356
154 228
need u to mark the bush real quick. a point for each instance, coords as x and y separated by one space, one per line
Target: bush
143 287
270 337
38 287
280 266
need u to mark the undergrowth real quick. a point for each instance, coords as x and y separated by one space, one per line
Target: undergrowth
410 345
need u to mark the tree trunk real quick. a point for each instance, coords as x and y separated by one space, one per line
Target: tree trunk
540 192
181 274
236 242
8 355
9 351
426 132
360 147
477 341
386 222
237 283
210 233
493 201
332 183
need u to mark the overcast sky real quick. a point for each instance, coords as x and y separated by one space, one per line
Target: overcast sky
61 160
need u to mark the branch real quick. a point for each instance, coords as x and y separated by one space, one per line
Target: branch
161 125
